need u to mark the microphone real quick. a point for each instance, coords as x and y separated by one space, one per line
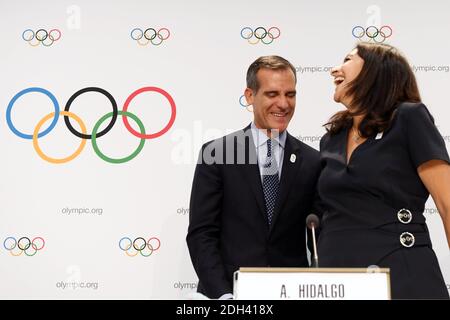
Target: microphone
312 222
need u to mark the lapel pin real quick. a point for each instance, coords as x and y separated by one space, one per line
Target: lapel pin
293 158
379 135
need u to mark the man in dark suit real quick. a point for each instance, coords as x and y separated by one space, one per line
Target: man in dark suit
253 189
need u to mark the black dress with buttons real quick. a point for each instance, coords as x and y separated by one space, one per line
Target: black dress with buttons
373 205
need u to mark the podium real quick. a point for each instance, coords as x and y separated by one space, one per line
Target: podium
312 284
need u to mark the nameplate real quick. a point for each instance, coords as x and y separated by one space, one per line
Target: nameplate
312 284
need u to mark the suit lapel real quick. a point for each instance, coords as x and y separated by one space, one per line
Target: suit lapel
291 163
250 170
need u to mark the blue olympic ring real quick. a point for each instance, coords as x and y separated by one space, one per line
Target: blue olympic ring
17 96
249 107
245 105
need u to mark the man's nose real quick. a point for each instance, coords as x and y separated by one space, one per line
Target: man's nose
284 102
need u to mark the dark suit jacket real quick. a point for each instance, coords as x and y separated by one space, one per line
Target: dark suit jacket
228 225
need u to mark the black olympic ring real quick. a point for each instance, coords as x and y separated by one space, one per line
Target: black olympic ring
265 33
27 246
44 37
108 127
141 247
153 36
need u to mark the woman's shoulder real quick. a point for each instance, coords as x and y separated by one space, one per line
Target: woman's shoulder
327 138
412 114
412 108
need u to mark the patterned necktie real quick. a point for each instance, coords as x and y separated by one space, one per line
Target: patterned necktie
271 184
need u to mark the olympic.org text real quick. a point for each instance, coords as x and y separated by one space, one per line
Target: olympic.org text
183 211
416 68
431 68
313 69
76 285
186 285
316 139
82 211
309 139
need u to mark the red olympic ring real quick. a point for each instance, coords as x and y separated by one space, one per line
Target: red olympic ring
154 238
159 133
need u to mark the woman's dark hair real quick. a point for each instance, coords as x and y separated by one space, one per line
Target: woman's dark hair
386 80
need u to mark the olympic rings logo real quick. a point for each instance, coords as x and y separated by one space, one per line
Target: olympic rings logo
37 133
244 104
260 34
139 246
150 35
373 33
23 245
47 38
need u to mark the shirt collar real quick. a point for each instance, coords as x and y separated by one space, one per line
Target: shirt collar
261 138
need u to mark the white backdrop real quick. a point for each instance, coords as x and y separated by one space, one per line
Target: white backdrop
83 208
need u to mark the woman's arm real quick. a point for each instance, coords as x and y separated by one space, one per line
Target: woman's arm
435 175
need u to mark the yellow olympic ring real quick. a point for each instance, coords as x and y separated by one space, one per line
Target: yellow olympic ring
255 42
38 127
132 255
127 249
143 43
34 44
16 255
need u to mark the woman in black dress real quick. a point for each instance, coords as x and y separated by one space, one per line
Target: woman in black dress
382 157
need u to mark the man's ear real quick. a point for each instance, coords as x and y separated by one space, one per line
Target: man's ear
249 96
